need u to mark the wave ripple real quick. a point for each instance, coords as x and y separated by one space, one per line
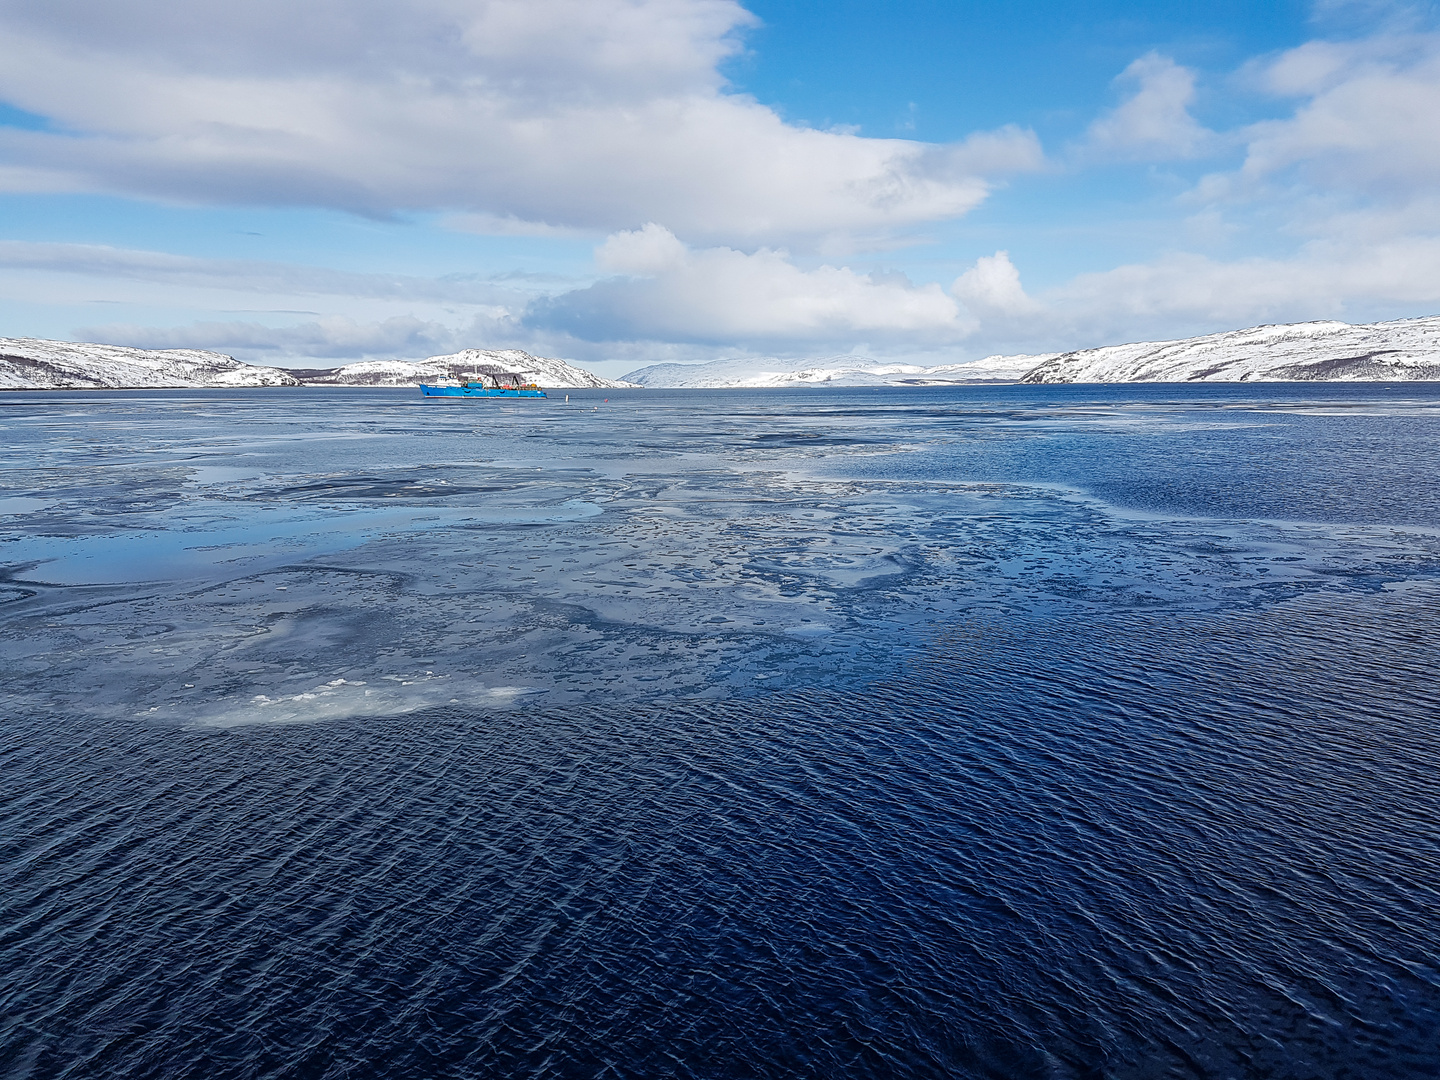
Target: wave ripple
1053 864
994 732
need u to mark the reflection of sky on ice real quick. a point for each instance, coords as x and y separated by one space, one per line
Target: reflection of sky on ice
281 556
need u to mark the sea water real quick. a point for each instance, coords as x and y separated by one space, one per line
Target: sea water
983 731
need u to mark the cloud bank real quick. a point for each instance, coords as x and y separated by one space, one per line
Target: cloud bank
592 114
670 292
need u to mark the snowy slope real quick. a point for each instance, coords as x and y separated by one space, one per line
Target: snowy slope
32 364
1408 349
831 371
543 370
1403 350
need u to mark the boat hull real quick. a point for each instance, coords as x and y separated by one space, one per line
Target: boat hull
478 391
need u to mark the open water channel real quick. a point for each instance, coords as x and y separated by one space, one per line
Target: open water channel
989 731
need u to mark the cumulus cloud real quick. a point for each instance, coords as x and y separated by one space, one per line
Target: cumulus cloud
593 114
1154 122
675 293
650 249
991 288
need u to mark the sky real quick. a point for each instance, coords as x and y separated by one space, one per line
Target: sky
625 182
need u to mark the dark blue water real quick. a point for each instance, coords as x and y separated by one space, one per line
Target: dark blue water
990 732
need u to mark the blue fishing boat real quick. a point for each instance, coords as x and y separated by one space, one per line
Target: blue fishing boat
500 385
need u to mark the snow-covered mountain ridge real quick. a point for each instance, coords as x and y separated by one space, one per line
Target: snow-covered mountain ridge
545 371
1403 350
33 364
830 371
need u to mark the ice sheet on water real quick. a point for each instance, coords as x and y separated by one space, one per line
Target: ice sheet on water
222 560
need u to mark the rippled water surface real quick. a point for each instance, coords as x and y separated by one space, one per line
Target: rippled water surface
981 732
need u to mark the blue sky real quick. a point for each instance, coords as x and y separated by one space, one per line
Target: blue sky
627 181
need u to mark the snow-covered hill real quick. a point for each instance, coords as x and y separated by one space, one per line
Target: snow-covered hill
1404 350
538 369
831 371
32 364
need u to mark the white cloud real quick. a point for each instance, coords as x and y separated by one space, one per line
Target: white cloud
1368 128
991 288
593 114
1154 123
676 293
651 249
1322 280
